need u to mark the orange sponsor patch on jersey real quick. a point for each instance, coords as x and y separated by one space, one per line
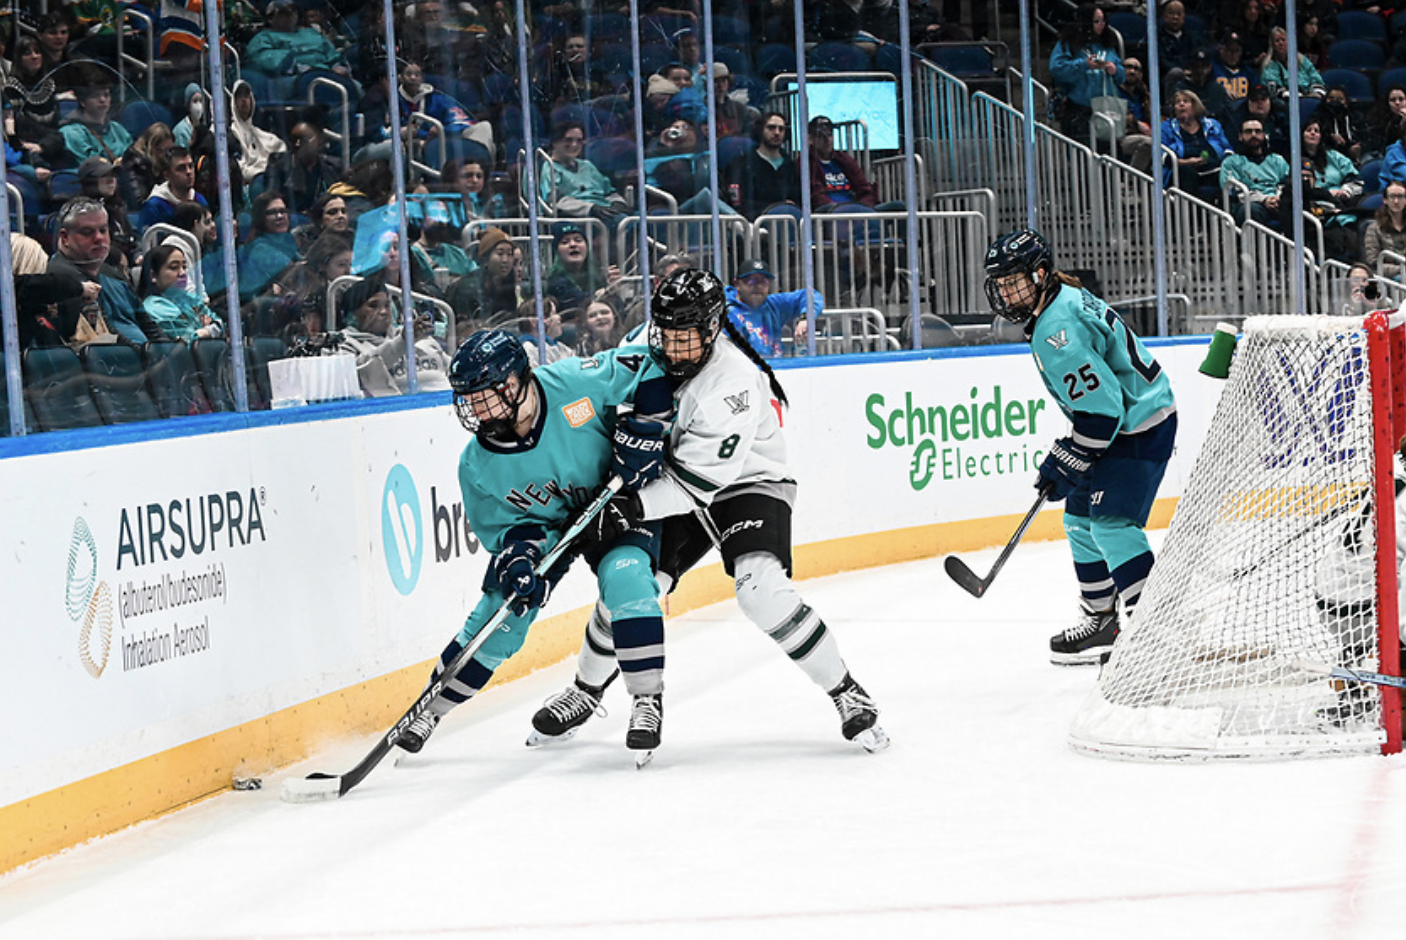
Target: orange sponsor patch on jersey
578 412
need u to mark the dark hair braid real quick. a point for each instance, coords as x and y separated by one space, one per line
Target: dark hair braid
741 341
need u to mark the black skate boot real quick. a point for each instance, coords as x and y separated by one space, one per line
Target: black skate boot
859 716
414 737
646 723
1356 705
562 715
1087 641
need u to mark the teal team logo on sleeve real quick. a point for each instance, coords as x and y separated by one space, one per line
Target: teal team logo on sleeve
402 529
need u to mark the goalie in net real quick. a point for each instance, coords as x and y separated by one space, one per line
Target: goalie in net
1285 548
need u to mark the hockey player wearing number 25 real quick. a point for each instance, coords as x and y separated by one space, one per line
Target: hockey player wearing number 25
542 447
1120 403
725 482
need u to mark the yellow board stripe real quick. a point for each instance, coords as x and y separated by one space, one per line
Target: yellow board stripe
156 785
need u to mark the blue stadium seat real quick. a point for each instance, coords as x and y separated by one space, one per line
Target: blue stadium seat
1358 85
137 116
613 57
839 57
1389 77
737 60
613 156
730 148
964 60
173 380
1132 26
55 386
889 58
654 56
1371 176
1359 24
774 59
1356 54
117 381
614 27
731 30
213 363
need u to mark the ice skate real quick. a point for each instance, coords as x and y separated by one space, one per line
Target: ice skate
1087 641
413 738
646 723
859 715
562 715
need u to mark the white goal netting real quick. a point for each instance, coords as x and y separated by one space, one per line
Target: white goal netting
1270 559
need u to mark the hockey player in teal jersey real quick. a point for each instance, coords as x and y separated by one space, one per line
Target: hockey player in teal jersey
545 442
1120 403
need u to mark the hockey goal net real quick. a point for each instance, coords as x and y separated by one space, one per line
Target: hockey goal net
1282 550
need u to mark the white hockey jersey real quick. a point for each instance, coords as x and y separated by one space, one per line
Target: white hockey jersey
1347 573
726 436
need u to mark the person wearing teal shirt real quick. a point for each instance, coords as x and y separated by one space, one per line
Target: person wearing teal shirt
545 441
89 133
1119 401
168 299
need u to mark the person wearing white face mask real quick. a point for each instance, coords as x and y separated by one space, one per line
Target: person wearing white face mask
168 299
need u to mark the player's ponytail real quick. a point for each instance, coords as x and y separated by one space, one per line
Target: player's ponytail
741 342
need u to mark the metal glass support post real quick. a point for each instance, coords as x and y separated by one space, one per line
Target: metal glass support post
1159 188
529 143
910 174
711 82
219 117
1298 282
1027 101
407 302
803 135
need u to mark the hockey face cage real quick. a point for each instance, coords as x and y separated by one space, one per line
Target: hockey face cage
1023 252
484 363
686 316
1282 550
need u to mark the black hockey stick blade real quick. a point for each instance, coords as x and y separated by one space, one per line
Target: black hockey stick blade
1353 675
317 788
967 579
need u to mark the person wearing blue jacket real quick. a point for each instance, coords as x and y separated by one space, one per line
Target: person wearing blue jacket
760 314
1084 65
1199 143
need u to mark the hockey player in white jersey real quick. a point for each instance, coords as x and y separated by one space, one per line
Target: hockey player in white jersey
727 483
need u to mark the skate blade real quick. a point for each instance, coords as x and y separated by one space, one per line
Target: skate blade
1088 657
872 739
538 739
642 758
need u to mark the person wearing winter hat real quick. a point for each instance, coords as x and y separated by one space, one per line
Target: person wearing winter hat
492 289
575 277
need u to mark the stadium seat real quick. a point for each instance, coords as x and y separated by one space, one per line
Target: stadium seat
1357 54
173 380
613 56
731 31
1371 173
137 116
258 353
212 362
1307 106
839 57
774 59
1358 85
654 56
613 156
934 332
1359 24
736 59
964 60
117 381
57 390
1132 27
607 26
730 148
1389 77
889 58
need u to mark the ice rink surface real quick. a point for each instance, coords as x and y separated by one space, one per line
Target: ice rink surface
757 820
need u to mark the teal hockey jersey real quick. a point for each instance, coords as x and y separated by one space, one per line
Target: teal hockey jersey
538 482
1100 373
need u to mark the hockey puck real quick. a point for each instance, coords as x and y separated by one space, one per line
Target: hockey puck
248 783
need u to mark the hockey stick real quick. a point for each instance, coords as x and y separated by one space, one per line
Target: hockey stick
1355 675
967 579
316 788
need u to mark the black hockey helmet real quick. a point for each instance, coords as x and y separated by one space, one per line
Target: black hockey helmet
485 361
1023 251
690 299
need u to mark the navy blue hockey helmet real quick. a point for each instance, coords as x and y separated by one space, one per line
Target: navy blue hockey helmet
485 362
1023 251
690 299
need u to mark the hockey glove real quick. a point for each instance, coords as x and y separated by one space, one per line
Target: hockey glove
514 570
621 514
1065 469
637 453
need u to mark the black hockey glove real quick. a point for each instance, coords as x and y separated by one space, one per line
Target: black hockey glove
514 572
1065 468
637 451
621 514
